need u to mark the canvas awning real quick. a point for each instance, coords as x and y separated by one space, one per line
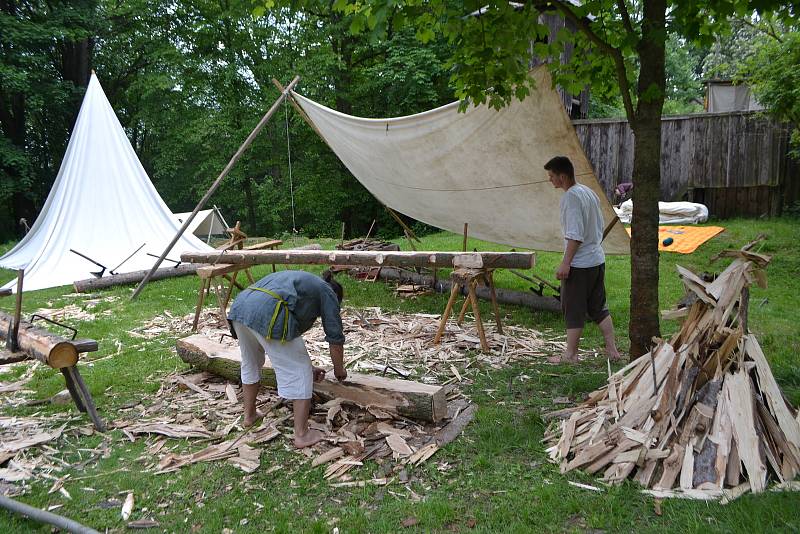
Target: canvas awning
483 167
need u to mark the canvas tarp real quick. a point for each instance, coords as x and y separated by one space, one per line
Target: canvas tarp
102 204
483 167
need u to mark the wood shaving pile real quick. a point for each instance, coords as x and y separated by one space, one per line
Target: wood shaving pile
700 416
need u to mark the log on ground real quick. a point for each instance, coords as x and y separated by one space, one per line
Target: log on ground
49 348
504 296
370 258
410 399
93 284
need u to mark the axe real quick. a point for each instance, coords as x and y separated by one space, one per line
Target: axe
96 274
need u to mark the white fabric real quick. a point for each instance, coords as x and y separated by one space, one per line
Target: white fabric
669 212
582 221
102 204
206 223
483 167
290 360
725 97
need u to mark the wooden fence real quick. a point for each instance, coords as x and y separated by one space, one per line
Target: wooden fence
735 163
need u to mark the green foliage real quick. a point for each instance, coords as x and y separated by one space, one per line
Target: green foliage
773 72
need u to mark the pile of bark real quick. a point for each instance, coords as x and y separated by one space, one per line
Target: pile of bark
367 244
700 416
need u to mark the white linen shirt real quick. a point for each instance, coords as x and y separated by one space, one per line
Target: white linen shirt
582 220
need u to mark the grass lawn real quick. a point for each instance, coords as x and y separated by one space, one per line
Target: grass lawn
493 478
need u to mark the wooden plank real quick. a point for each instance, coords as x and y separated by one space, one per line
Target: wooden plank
272 243
740 401
777 405
210 271
490 260
403 397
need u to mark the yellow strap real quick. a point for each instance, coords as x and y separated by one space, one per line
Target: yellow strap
281 303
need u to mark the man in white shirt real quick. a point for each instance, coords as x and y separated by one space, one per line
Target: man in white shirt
582 270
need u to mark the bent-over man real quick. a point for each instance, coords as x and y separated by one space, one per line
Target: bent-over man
582 269
270 317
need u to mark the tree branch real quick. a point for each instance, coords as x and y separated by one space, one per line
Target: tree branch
615 53
626 18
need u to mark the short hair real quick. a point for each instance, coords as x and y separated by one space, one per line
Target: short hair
561 165
327 275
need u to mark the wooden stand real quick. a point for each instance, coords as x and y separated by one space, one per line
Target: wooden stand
209 276
470 278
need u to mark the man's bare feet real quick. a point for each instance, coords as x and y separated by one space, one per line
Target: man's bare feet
252 420
309 438
614 357
564 358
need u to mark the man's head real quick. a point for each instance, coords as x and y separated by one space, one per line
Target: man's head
327 275
561 172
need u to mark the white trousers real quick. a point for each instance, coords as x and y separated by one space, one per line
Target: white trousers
290 360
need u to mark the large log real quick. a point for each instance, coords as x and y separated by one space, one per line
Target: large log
504 296
370 258
38 343
414 400
93 284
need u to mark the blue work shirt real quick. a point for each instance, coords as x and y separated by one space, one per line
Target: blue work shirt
307 296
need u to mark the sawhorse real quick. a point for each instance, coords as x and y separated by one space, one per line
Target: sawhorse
470 278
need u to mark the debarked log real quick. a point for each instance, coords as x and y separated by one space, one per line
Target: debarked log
504 296
38 343
423 402
93 284
370 258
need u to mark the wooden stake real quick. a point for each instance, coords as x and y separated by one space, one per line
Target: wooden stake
216 184
464 246
17 309
408 230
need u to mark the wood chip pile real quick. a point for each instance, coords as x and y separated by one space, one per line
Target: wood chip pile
399 345
207 410
700 416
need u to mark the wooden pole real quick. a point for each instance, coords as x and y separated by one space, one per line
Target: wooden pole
94 284
464 246
35 514
217 182
17 309
409 231
369 258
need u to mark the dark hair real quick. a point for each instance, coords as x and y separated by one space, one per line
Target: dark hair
561 165
327 275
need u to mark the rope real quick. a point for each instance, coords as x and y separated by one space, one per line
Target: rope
289 152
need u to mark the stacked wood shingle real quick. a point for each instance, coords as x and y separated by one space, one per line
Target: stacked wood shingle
699 416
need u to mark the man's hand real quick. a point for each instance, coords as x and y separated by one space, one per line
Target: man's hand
319 374
337 357
340 374
562 273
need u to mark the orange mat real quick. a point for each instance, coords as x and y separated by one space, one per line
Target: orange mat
685 239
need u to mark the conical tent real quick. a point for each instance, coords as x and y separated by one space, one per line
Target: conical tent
102 205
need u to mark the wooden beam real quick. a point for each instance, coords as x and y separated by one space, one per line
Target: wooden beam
38 343
403 397
371 258
94 284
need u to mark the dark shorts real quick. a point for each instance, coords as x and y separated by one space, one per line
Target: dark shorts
583 295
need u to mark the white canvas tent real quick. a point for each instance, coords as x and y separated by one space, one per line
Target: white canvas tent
102 204
483 167
205 224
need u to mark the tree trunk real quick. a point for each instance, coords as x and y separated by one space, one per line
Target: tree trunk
251 206
423 402
644 323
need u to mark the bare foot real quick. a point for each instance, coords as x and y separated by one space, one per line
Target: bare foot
615 357
309 438
250 421
563 359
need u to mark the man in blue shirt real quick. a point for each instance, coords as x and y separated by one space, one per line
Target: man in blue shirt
270 317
